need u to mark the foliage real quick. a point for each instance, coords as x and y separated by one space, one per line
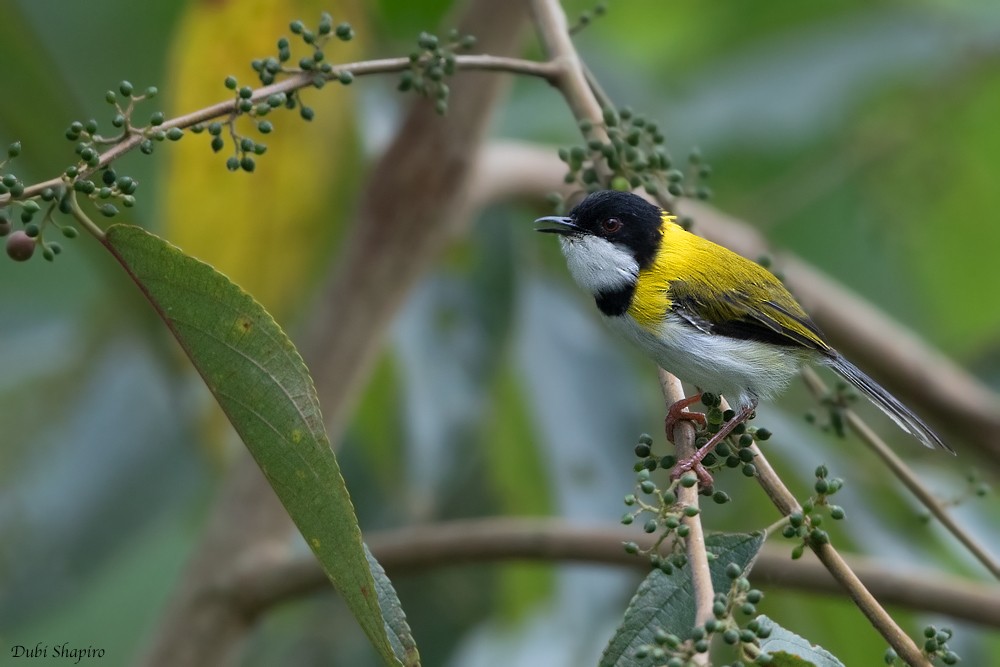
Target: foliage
800 160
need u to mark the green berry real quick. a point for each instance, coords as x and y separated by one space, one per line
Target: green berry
688 480
175 133
631 548
218 144
233 163
307 113
70 232
230 82
650 526
248 164
125 88
14 149
344 32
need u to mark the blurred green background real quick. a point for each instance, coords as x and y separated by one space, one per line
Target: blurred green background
862 136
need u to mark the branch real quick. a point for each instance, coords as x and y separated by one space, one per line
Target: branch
694 543
908 478
413 202
838 567
226 108
258 584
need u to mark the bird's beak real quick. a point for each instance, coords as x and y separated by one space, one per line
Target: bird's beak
554 224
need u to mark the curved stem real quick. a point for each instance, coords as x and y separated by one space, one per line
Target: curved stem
83 218
905 475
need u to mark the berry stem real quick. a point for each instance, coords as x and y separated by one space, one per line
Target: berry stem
82 218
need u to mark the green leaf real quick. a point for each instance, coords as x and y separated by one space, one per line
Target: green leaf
263 386
666 602
397 629
790 650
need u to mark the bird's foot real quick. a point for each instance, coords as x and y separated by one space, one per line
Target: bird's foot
693 464
679 412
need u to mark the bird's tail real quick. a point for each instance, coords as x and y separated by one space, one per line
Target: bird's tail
888 403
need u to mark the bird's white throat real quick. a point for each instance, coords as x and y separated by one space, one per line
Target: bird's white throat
597 265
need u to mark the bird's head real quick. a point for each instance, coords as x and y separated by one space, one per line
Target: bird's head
607 239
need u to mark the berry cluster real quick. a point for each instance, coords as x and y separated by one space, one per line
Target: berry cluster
123 100
35 215
429 66
587 16
935 648
668 650
632 157
252 104
805 525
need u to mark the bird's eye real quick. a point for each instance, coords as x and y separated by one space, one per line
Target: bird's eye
611 225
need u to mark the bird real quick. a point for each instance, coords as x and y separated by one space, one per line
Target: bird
711 317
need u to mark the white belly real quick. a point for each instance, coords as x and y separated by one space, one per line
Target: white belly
738 369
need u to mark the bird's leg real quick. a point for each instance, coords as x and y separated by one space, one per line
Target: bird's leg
693 462
679 411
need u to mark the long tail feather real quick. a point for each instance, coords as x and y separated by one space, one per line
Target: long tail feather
888 403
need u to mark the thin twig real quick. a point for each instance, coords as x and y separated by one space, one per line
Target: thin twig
544 70
904 474
838 567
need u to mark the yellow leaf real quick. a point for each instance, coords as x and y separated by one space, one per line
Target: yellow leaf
269 230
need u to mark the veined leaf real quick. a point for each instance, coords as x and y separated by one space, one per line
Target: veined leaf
666 601
790 650
264 387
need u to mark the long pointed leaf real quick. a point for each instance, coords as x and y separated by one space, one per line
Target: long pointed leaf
262 384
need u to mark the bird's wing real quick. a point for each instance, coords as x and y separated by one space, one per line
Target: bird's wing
755 311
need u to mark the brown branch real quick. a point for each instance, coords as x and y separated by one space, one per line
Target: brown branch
694 543
841 571
414 201
258 584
